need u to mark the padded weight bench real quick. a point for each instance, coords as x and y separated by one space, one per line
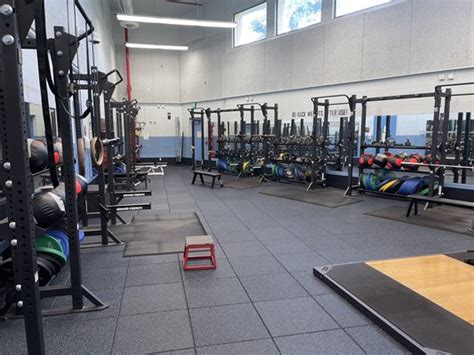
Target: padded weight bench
212 174
440 201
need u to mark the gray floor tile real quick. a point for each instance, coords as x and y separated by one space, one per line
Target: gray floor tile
153 298
243 235
111 297
153 259
226 324
101 279
78 337
342 311
214 292
224 226
155 332
285 246
274 233
301 261
244 249
375 341
99 258
326 243
272 287
342 256
223 270
312 284
333 342
152 274
256 265
255 347
178 352
13 337
294 316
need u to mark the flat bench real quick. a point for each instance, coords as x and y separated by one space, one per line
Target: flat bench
154 169
414 199
212 174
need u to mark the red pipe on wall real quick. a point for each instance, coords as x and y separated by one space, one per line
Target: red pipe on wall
127 65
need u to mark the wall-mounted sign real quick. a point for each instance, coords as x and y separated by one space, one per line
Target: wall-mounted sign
332 113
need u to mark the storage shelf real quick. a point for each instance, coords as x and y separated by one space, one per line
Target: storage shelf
387 146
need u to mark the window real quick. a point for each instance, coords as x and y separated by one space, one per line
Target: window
251 25
296 14
344 7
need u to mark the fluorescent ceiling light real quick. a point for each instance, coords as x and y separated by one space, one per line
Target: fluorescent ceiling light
176 21
156 46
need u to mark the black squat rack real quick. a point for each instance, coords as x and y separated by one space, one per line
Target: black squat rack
16 18
438 148
244 153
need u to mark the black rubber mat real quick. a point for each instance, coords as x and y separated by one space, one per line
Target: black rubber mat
244 183
331 198
451 219
158 234
419 324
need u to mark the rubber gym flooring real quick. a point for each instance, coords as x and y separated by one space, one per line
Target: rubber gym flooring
263 297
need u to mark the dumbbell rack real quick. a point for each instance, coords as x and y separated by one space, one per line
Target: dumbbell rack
437 148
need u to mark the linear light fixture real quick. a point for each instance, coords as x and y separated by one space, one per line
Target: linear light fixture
156 46
176 21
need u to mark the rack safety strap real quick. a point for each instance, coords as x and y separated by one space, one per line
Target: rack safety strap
43 62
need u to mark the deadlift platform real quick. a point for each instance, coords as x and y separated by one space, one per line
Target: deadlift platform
426 302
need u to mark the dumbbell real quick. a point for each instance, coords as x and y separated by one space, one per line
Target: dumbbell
394 161
414 158
366 160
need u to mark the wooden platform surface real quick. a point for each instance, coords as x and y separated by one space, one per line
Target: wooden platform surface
445 281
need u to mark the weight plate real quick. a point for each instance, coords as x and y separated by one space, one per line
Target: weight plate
82 235
47 241
59 254
45 271
53 260
62 238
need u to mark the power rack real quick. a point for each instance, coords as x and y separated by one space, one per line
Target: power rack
16 18
438 147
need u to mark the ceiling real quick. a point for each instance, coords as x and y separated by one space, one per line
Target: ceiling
166 8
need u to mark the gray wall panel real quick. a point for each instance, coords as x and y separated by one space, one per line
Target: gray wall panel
387 36
343 50
278 58
308 57
252 69
440 34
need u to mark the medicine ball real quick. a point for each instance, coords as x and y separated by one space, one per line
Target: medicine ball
48 208
38 155
58 152
83 184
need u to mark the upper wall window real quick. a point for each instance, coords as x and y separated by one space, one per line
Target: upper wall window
251 25
296 14
344 7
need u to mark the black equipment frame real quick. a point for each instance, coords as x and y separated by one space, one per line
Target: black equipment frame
16 19
442 95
